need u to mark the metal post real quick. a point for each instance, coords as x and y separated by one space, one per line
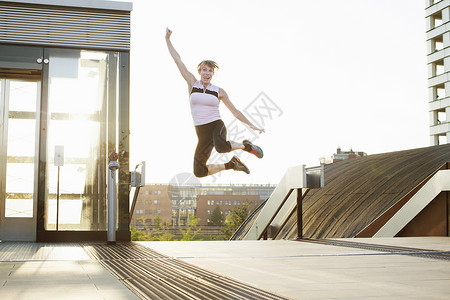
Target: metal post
57 202
58 161
112 202
299 214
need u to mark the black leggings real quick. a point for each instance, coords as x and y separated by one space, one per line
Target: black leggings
211 135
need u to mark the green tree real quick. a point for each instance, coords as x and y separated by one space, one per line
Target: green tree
191 232
216 217
146 234
235 219
229 228
165 234
157 221
136 233
162 232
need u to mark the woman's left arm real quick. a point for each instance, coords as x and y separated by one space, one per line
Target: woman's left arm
236 112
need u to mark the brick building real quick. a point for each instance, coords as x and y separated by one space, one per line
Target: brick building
153 200
175 203
206 204
342 155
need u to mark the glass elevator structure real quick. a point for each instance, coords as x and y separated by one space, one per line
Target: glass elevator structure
64 106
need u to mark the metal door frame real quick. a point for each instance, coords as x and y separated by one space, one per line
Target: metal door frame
17 229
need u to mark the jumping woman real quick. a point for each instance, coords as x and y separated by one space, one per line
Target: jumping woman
211 131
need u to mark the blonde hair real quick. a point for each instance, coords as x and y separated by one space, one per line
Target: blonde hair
210 63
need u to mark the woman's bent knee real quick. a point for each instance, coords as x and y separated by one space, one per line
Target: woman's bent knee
201 171
223 148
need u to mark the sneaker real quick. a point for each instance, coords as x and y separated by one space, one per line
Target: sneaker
238 165
253 149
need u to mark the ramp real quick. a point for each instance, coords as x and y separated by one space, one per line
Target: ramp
438 183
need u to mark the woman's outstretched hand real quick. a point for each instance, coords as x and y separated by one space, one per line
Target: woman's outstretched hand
257 129
168 33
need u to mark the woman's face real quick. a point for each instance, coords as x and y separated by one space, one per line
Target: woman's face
206 74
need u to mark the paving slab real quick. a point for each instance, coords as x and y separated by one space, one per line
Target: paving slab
302 270
55 271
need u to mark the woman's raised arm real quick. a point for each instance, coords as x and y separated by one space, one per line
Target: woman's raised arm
188 76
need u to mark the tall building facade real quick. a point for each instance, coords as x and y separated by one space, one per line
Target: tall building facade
438 58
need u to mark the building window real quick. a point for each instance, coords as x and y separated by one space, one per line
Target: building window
438 67
442 139
437 19
439 92
441 117
437 43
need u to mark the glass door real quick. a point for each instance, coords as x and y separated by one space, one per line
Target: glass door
19 123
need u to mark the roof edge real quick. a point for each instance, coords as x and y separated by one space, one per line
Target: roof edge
92 4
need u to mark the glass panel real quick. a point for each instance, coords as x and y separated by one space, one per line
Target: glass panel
78 114
21 145
19 208
21 138
22 94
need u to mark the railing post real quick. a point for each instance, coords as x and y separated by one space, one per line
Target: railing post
299 214
112 201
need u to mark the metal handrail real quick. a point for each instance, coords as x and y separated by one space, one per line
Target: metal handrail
264 231
290 215
300 196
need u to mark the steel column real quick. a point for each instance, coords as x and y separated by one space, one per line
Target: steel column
299 214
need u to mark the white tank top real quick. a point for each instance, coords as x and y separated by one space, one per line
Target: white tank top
204 104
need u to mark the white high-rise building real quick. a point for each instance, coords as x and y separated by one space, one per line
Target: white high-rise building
437 14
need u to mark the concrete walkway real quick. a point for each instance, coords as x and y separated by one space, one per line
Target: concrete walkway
304 270
55 271
299 270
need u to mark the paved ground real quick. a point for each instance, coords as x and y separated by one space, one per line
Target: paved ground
55 271
313 271
299 270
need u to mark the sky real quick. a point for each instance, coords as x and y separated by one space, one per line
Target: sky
317 75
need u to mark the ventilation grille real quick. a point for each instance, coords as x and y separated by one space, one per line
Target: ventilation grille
66 27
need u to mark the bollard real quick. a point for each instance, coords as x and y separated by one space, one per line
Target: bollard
112 202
